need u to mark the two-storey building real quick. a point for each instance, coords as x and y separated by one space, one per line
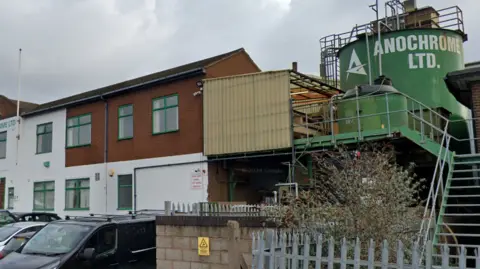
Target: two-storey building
130 145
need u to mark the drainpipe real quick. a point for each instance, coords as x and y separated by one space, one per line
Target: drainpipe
105 151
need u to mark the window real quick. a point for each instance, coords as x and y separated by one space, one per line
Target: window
125 122
44 138
105 240
3 145
11 197
79 130
124 192
44 195
77 194
165 114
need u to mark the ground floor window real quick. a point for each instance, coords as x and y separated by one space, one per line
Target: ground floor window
125 192
11 197
44 195
77 194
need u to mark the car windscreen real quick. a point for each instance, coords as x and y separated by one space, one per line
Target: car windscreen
5 218
56 238
14 244
7 231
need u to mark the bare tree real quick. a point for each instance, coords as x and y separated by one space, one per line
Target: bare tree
367 196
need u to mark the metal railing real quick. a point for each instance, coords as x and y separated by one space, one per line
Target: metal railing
430 124
304 251
450 18
208 209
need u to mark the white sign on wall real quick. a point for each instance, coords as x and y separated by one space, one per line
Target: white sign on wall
197 179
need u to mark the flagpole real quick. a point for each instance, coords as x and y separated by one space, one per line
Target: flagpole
19 86
19 81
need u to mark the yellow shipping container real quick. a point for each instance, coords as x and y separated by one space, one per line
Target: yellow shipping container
247 113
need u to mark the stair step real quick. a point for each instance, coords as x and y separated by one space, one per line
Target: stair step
465 178
465 196
467 163
459 235
463 224
456 245
466 170
461 205
465 187
467 155
461 214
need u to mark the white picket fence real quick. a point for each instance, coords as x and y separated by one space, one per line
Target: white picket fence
303 251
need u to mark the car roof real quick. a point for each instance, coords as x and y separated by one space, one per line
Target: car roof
99 219
34 213
24 224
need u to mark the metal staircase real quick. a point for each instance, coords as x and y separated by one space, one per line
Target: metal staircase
460 206
453 202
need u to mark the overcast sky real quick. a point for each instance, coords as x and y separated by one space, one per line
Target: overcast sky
71 46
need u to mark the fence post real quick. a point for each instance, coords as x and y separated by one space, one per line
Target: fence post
168 207
233 248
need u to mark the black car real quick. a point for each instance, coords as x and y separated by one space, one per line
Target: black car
89 242
7 217
36 216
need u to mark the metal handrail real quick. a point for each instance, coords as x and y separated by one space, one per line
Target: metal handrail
444 154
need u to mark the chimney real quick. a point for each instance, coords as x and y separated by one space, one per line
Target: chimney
294 66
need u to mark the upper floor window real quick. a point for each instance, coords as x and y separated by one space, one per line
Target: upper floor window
3 145
79 130
165 114
44 138
125 122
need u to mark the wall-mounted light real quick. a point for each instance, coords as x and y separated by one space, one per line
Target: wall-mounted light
111 172
199 84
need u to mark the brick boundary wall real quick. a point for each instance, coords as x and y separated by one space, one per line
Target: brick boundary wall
230 241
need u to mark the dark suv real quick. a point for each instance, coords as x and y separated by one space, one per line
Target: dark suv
98 242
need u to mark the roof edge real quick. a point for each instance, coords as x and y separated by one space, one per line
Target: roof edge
241 50
178 76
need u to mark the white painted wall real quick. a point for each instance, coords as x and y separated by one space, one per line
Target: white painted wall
8 169
154 185
31 166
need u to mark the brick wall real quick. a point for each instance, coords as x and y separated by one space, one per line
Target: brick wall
476 109
230 241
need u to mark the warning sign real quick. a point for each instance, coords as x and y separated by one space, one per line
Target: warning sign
203 246
197 179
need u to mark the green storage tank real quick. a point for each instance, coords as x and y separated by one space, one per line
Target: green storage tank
416 60
372 103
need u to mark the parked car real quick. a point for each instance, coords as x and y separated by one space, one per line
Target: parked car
15 243
7 217
8 231
98 242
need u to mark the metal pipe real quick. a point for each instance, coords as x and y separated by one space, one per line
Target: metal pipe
105 152
368 58
358 116
388 115
380 71
292 175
